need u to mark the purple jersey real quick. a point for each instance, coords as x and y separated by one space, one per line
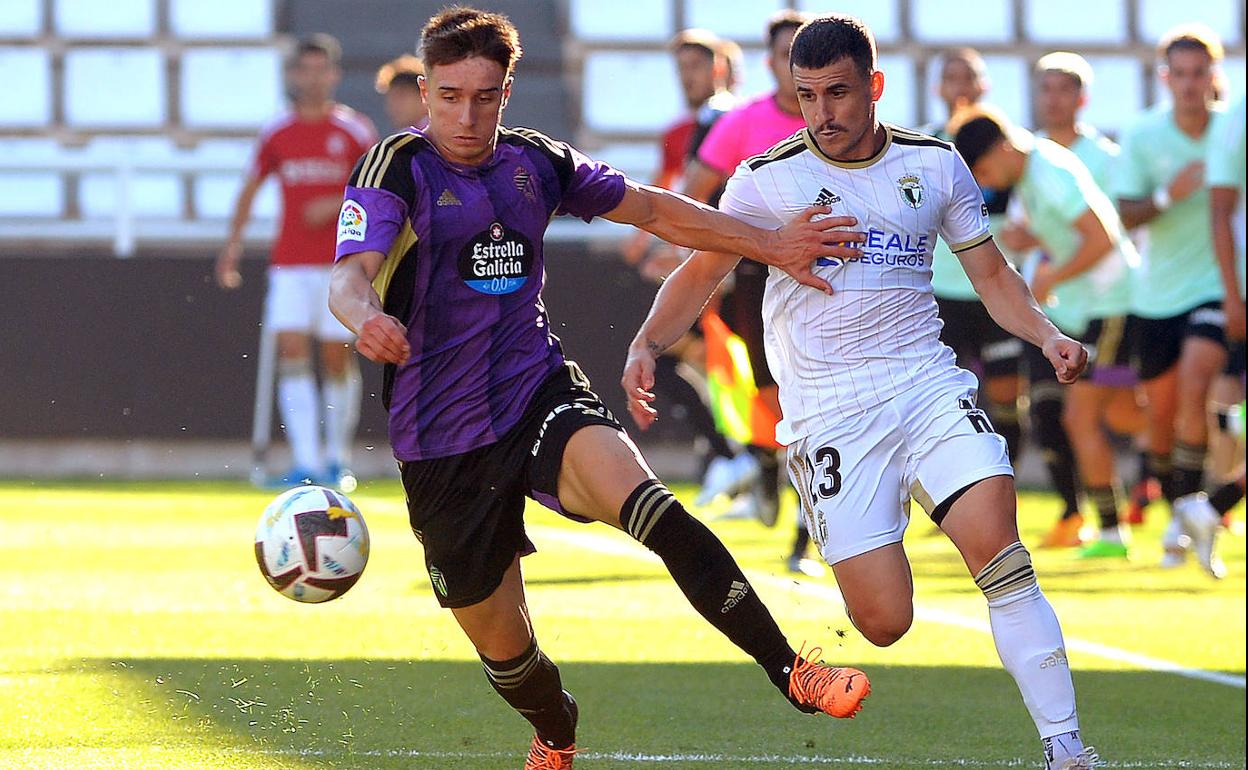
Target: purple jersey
464 273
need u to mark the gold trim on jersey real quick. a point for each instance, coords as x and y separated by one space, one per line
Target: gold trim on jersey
972 243
379 158
813 145
776 150
398 250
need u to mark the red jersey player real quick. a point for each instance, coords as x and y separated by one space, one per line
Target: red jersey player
312 150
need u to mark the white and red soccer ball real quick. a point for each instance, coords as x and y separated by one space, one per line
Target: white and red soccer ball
311 544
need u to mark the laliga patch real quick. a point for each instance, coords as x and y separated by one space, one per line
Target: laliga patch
496 261
352 222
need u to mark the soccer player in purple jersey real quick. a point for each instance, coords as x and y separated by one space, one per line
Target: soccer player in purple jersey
447 223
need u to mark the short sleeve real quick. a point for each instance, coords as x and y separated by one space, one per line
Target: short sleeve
742 200
264 159
721 149
376 201
1131 177
1064 190
964 223
593 188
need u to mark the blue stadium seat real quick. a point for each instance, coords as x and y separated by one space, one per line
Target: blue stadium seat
897 105
230 87
153 194
31 193
613 102
21 18
115 87
637 160
742 20
28 85
1099 22
104 19
221 19
952 22
1159 16
637 20
882 16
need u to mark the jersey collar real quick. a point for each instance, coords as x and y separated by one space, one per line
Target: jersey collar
813 146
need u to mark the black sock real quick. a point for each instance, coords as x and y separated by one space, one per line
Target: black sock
1106 501
801 539
1050 434
530 684
708 576
1160 468
1189 469
1226 497
1005 419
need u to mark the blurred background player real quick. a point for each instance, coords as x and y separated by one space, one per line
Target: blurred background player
312 149
398 81
1082 281
704 69
1180 340
748 130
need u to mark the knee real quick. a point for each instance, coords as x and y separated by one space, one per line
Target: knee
884 626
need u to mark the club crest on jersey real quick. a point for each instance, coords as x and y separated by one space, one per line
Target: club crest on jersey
335 144
352 222
911 188
521 179
496 261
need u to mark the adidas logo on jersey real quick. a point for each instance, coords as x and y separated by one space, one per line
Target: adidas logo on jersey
447 198
736 593
826 197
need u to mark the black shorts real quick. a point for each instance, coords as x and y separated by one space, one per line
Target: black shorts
1108 341
977 340
1235 359
742 311
468 509
1158 342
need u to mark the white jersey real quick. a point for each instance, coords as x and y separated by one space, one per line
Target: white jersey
878 334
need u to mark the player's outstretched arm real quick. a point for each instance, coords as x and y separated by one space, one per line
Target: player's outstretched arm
1011 304
1095 243
352 299
792 248
677 305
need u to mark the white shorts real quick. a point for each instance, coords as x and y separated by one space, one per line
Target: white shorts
855 480
298 301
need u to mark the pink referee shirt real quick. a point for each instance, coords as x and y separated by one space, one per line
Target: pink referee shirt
748 130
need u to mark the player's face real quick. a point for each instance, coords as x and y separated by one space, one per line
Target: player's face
992 169
696 69
960 85
313 77
465 102
404 106
1189 76
1059 97
838 103
778 61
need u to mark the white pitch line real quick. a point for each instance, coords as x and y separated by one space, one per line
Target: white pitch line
632 550
769 760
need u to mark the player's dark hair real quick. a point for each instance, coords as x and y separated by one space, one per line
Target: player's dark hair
976 136
459 33
405 71
828 39
782 20
1191 37
319 43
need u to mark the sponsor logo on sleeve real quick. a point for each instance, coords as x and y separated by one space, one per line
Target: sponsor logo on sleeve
352 222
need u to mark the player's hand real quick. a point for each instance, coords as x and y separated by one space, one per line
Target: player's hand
803 240
1233 307
321 211
1068 357
638 384
383 340
1017 238
226 268
1189 179
1042 282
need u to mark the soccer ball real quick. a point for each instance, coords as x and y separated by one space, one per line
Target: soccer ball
311 544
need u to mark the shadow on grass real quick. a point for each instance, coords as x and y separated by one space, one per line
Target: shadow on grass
442 714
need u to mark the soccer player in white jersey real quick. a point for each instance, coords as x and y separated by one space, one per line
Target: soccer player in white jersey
876 410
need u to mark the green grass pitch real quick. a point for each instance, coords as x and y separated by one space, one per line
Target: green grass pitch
136 632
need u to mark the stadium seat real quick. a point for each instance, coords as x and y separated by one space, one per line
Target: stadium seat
115 87
221 19
31 193
105 19
951 22
636 20
1158 16
613 102
230 87
21 18
214 195
743 20
28 80
153 194
1050 21
882 16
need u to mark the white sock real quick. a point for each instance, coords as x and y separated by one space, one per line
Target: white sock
299 404
1111 535
342 414
1029 641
